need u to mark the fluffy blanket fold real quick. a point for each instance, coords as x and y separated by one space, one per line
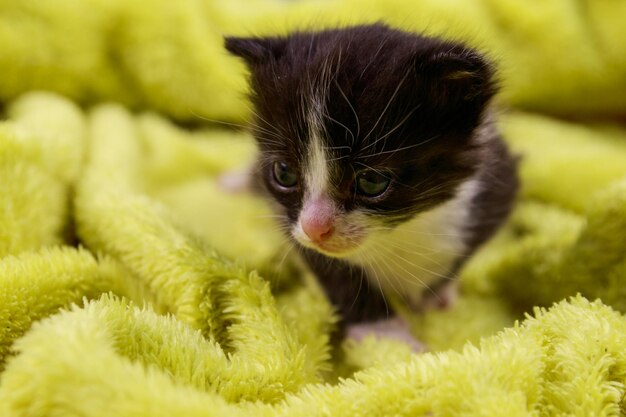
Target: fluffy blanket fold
130 285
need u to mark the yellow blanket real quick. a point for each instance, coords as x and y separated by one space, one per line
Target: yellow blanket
131 286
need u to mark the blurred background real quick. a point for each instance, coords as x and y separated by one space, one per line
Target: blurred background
561 57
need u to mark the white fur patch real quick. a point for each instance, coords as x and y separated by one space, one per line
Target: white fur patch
414 255
316 164
316 169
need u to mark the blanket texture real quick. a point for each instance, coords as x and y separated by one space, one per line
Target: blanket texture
130 285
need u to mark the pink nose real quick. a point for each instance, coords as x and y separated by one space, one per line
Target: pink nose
318 232
317 220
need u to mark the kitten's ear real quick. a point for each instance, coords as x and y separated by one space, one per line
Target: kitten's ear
256 51
457 76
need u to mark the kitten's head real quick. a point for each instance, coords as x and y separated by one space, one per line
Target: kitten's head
361 129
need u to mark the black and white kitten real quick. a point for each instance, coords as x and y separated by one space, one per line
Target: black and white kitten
377 146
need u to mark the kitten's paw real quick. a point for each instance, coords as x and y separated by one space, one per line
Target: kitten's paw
394 328
442 298
235 181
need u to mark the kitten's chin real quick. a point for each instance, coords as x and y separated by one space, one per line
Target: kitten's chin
332 249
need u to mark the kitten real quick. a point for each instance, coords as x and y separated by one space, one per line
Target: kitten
377 147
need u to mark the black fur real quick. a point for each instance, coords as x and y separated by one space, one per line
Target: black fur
405 104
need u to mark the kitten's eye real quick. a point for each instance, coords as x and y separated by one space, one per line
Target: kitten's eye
371 183
284 175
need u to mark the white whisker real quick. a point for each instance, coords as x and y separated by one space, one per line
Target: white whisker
403 148
396 127
393 96
356 116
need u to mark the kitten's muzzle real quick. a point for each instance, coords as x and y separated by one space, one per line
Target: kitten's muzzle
317 220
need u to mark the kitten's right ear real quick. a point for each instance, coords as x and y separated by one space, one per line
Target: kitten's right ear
457 76
256 51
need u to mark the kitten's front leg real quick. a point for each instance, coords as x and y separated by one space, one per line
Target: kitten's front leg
395 328
440 296
236 181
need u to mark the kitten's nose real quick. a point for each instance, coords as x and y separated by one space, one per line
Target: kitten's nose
317 220
318 231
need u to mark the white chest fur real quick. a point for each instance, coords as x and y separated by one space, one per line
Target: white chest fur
409 258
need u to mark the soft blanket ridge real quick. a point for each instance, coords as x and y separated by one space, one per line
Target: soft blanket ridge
131 285
225 338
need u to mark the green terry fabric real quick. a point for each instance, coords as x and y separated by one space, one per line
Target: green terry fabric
132 285
197 332
557 56
35 285
181 274
567 361
41 152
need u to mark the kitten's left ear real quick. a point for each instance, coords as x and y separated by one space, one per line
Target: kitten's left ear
256 51
457 75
